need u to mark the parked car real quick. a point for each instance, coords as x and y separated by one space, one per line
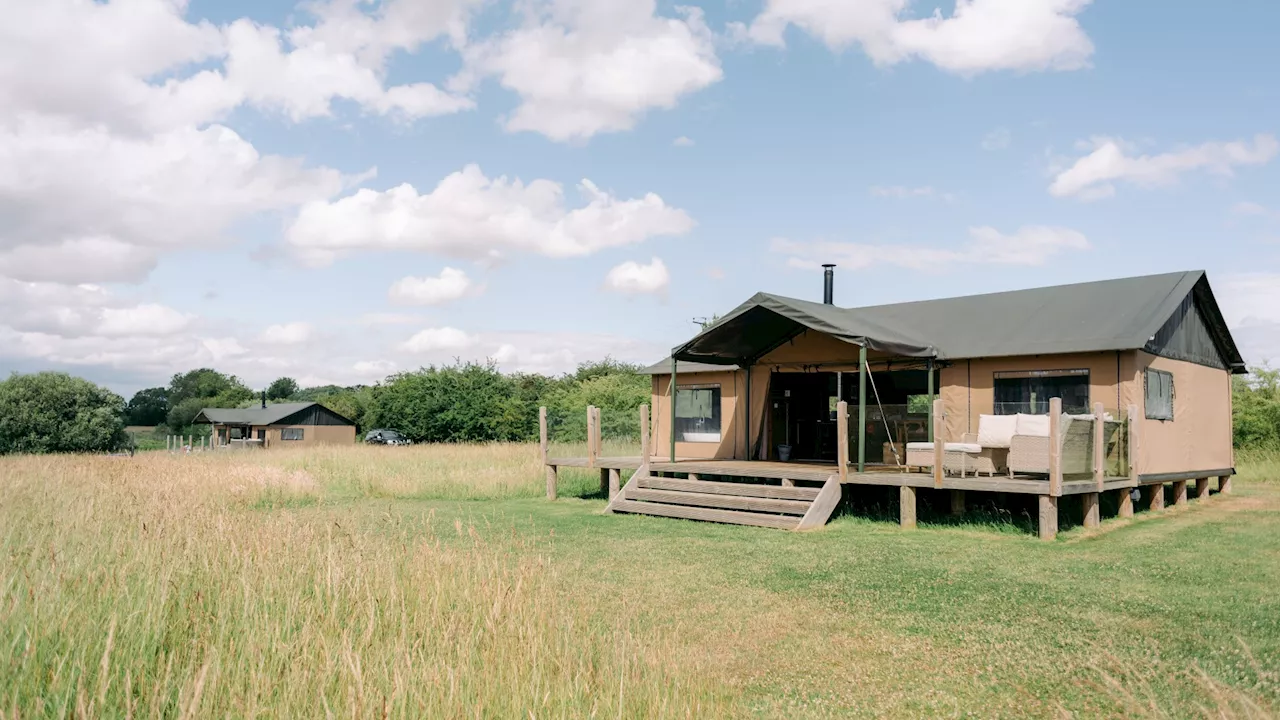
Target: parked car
386 437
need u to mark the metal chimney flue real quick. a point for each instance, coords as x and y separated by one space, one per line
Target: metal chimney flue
264 399
828 283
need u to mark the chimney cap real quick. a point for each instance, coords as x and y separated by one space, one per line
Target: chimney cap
828 265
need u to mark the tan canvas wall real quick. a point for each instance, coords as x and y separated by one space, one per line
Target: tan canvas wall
968 386
1199 436
815 348
732 441
313 435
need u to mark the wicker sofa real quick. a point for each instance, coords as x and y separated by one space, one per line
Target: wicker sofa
1029 449
984 452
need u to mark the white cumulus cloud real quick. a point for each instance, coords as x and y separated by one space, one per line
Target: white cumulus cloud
294 333
583 68
436 339
474 217
1112 160
632 278
978 35
448 286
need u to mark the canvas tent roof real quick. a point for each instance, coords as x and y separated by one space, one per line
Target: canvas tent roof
268 415
1124 314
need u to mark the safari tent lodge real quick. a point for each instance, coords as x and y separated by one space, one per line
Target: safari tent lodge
1074 389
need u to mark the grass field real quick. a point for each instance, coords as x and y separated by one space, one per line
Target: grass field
435 582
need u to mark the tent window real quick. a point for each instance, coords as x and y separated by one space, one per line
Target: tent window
698 413
290 433
1159 395
1029 392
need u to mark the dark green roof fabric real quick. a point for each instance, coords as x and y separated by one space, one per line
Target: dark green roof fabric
663 367
1124 314
269 415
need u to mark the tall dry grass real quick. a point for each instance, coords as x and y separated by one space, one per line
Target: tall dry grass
156 587
1258 464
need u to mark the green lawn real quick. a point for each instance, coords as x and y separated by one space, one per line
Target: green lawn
1172 614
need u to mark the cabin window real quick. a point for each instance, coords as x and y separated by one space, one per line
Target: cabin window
290 433
1030 392
1159 395
698 413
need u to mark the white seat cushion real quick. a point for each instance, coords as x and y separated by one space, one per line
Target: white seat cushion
1035 425
953 447
996 431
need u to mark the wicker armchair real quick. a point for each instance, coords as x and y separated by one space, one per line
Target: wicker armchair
1029 449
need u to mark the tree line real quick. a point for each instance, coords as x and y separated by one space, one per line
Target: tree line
464 402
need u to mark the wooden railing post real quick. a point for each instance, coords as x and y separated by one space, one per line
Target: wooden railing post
542 433
842 439
1055 447
1134 446
1099 447
644 433
939 442
591 436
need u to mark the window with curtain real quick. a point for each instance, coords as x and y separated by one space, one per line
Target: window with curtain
1030 392
1158 395
698 413
290 433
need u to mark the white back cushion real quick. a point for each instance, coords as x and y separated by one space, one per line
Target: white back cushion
996 431
1036 425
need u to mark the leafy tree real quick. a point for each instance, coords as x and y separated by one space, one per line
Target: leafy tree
208 383
282 388
1256 405
466 402
351 404
55 412
618 394
148 407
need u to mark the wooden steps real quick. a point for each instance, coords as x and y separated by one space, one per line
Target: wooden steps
774 506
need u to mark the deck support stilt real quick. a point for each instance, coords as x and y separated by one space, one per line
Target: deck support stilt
615 482
1156 496
788 483
1202 488
552 481
1126 502
604 481
957 502
1092 512
907 507
1224 484
1048 517
1180 493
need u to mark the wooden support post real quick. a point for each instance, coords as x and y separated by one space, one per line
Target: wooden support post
168 443
929 370
694 476
1134 423
1126 502
788 483
1048 517
1224 484
939 442
907 507
542 433
1055 450
862 409
1180 493
1157 496
842 440
604 481
615 482
551 482
674 388
1099 449
1202 488
592 451
1092 512
957 502
644 434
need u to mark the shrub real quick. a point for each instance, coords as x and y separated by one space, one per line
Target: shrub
54 412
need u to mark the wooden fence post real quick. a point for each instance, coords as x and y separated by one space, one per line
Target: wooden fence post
1055 447
644 433
842 440
939 442
542 433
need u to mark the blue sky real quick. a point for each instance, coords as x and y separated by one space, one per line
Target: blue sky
258 186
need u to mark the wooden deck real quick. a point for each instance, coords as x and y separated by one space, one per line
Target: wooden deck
810 472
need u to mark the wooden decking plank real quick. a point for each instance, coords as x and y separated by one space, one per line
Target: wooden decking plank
688 512
726 488
730 502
